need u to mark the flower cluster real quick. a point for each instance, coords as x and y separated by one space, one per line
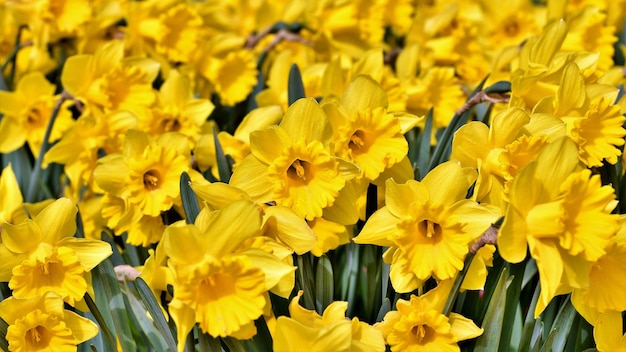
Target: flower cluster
225 149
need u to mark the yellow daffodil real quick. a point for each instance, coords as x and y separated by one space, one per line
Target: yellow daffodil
78 148
497 152
27 112
437 88
230 70
42 324
41 254
279 222
307 330
11 207
606 289
419 325
237 146
364 132
608 334
292 165
175 31
563 215
58 18
219 283
147 173
177 110
428 226
588 31
107 81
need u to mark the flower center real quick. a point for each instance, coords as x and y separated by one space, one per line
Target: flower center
151 180
357 140
171 125
38 337
298 170
423 333
430 230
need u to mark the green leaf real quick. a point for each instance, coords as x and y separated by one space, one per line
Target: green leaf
188 198
156 313
424 147
295 87
234 345
561 328
22 167
516 272
324 287
262 341
385 307
4 344
306 276
494 318
224 167
35 179
115 303
207 342
103 322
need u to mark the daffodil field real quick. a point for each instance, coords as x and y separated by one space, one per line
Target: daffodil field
306 175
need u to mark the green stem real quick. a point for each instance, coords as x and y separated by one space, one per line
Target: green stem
34 177
12 58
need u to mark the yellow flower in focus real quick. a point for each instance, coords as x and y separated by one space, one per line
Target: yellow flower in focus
419 325
42 324
308 331
219 283
292 165
41 254
497 152
563 214
428 226
27 113
147 173
365 132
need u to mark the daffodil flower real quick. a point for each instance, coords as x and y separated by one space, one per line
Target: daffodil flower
563 215
428 226
419 325
41 254
307 330
41 323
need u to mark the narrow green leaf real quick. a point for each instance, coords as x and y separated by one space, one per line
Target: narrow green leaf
207 342
305 276
35 176
530 323
263 339
224 168
4 344
324 287
516 272
111 290
188 198
100 319
156 313
234 345
561 328
424 148
458 280
494 318
295 87
385 307
93 348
